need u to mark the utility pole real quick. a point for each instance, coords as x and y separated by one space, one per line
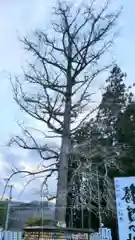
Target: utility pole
8 206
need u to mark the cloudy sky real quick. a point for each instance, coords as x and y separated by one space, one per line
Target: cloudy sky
20 18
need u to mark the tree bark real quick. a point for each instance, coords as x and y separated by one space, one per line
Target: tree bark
61 200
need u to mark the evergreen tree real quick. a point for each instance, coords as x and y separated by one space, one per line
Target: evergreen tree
126 137
101 133
114 101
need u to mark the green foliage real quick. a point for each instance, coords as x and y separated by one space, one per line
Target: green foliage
38 221
3 211
126 137
113 102
112 129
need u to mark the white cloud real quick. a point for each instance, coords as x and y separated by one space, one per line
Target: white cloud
4 166
29 163
20 18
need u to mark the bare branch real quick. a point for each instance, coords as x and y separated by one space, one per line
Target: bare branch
66 64
83 120
33 48
17 171
42 150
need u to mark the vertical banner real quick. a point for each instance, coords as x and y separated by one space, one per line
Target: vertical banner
125 203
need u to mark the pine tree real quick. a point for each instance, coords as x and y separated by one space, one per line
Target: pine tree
126 137
114 101
102 137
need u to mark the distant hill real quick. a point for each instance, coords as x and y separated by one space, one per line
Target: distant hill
20 212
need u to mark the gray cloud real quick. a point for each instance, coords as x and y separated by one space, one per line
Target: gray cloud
27 160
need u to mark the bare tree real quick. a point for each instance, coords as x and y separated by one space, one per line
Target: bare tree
56 88
92 173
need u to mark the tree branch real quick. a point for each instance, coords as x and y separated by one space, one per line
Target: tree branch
17 171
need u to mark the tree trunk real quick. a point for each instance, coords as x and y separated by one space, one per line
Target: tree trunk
61 200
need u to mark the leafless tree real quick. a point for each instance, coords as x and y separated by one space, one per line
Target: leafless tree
91 173
56 88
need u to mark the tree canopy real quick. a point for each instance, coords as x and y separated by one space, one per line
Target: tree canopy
55 89
105 150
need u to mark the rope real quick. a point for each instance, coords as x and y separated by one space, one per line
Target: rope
99 206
